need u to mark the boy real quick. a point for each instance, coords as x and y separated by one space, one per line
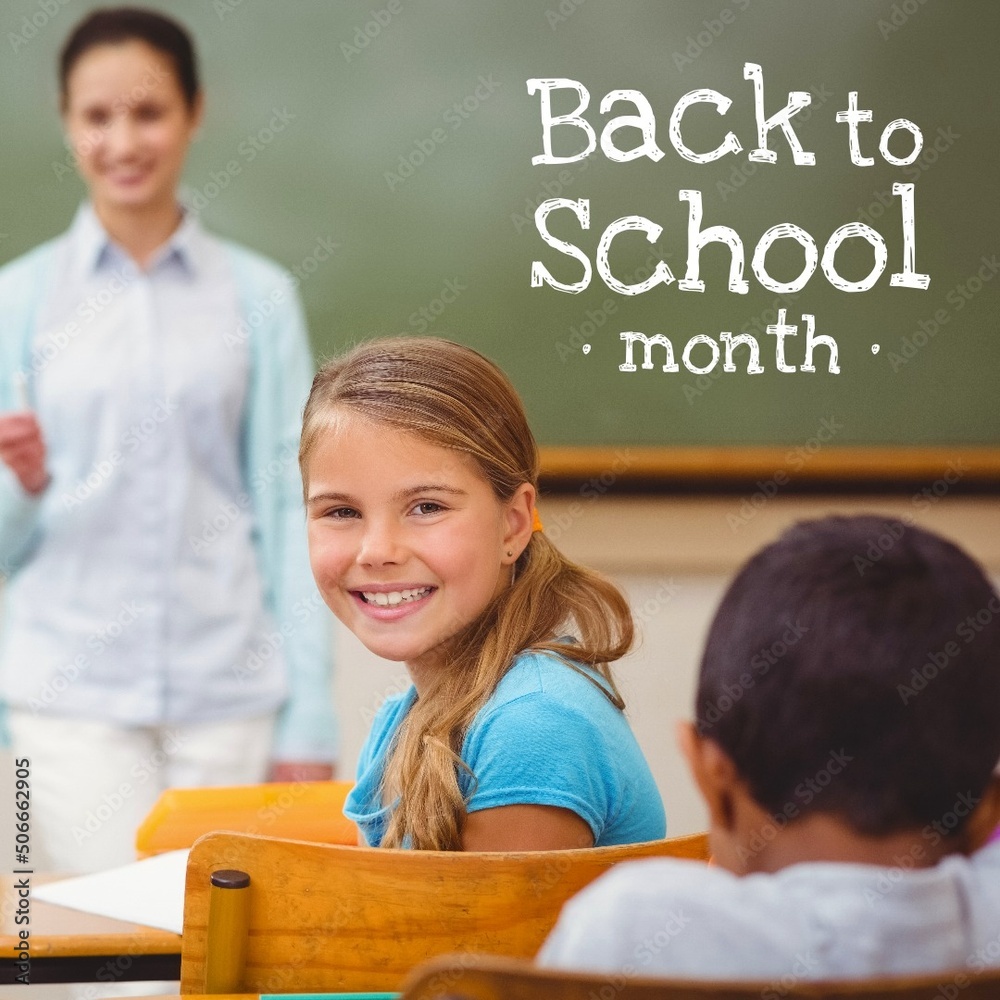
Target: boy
848 730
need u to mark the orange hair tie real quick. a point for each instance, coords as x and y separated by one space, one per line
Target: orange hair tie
536 521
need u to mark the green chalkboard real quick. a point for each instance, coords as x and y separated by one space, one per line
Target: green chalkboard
404 133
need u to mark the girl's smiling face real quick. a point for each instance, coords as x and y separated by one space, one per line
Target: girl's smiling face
407 541
129 125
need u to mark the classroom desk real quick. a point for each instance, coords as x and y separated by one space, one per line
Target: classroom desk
68 946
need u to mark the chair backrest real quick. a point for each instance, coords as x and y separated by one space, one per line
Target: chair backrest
326 917
473 977
303 810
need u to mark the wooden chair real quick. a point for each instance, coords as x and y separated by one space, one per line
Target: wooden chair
472 977
303 810
325 917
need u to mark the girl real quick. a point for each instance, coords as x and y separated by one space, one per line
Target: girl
151 531
420 476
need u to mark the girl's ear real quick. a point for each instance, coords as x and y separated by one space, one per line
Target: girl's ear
518 523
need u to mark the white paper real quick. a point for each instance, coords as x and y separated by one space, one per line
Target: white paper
149 892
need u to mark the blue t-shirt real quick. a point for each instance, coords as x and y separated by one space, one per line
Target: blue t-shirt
546 736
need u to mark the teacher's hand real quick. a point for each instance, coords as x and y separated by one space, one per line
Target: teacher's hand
22 449
287 770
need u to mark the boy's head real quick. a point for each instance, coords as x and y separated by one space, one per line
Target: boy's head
853 670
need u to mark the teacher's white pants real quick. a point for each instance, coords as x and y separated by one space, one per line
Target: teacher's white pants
92 784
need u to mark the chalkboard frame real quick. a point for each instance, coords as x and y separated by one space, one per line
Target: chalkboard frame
959 468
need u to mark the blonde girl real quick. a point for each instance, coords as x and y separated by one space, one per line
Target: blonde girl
420 476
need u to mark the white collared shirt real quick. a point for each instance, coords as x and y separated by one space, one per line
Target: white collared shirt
143 603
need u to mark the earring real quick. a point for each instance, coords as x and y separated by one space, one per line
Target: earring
510 552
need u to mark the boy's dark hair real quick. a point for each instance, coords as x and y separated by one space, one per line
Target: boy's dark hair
116 25
853 668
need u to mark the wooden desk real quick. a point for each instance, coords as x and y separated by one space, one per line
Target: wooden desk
68 946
